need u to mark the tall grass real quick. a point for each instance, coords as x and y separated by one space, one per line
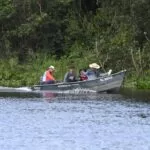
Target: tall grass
12 74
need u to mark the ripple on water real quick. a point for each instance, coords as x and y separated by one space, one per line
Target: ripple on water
76 122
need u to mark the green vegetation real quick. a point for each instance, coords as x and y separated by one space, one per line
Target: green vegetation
37 33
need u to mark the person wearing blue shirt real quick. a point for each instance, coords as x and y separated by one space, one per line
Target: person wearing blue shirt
92 73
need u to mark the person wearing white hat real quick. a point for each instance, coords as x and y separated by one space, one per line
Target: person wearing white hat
48 77
92 72
94 65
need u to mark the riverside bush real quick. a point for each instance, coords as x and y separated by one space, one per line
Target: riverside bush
29 73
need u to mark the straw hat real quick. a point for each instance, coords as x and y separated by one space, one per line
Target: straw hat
94 65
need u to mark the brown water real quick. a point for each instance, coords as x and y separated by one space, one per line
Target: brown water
76 121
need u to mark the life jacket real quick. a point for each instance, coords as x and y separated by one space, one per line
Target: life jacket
48 76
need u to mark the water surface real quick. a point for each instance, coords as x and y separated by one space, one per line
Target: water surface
76 121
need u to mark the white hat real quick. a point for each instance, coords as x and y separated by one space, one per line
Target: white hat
51 67
94 65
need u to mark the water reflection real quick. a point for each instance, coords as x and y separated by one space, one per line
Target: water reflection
125 94
137 95
19 94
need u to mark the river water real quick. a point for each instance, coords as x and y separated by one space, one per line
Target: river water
74 121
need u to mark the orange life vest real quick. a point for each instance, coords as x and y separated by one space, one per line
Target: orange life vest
49 76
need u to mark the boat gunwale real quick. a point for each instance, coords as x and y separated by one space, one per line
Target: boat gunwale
78 82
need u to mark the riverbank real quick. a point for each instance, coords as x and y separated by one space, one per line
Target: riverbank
13 74
142 82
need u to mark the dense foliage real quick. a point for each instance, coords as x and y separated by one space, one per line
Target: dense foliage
115 34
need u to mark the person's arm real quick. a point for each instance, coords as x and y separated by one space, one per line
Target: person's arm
87 72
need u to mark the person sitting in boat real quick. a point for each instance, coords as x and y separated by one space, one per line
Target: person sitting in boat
82 75
93 71
70 76
48 77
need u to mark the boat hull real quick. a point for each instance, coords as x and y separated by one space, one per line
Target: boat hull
100 84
